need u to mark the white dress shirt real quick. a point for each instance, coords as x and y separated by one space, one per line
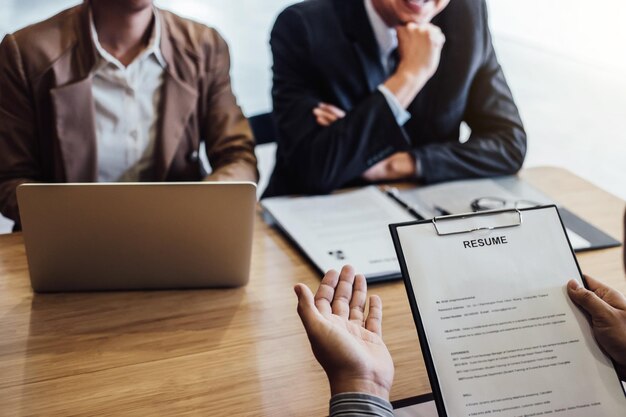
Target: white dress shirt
387 40
126 103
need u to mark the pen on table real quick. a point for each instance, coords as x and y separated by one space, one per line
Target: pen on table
442 211
393 193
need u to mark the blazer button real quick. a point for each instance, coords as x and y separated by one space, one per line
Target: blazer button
193 156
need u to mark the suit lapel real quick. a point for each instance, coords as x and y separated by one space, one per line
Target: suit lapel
372 70
73 107
178 102
76 130
358 30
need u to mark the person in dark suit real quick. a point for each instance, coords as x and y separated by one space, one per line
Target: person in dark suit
376 90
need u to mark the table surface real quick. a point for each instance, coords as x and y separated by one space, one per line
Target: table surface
215 352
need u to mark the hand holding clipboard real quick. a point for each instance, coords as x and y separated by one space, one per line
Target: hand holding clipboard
497 332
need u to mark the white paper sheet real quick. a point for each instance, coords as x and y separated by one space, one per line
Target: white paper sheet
505 338
347 228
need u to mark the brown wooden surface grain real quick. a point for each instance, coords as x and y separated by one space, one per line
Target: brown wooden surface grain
214 352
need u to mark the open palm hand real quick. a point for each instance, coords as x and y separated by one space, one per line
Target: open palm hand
345 342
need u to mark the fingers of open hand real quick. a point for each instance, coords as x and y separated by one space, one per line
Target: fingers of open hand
343 292
326 292
374 322
306 306
359 297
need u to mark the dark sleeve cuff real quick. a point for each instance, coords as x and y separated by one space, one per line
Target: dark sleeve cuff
355 404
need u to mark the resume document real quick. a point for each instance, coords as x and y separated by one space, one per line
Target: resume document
504 337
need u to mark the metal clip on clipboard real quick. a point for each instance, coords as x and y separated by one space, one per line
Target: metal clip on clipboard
440 220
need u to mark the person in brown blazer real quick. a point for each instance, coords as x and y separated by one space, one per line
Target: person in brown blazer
117 90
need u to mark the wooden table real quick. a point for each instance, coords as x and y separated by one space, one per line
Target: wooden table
213 352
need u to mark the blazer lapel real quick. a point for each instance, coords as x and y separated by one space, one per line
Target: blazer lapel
178 102
73 106
76 131
357 27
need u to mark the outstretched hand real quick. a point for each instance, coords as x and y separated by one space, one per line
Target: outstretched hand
345 342
607 310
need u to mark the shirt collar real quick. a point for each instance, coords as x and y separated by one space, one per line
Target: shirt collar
153 48
386 37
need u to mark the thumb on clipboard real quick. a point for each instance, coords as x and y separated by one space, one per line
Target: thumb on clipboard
607 310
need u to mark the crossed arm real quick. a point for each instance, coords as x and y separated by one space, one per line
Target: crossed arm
325 147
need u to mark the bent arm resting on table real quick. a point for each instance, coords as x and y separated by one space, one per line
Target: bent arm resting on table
322 158
19 154
497 145
230 145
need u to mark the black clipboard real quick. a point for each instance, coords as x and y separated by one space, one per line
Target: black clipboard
417 318
412 401
597 238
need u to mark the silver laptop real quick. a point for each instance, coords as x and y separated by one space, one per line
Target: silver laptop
134 236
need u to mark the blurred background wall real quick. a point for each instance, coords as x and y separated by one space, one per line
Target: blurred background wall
565 61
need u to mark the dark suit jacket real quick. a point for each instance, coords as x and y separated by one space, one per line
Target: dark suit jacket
47 129
325 50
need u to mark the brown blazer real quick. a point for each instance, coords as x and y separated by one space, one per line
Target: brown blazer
47 129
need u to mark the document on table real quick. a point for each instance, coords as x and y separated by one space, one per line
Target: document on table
499 334
456 197
347 228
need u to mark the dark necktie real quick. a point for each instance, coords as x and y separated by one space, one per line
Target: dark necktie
392 62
